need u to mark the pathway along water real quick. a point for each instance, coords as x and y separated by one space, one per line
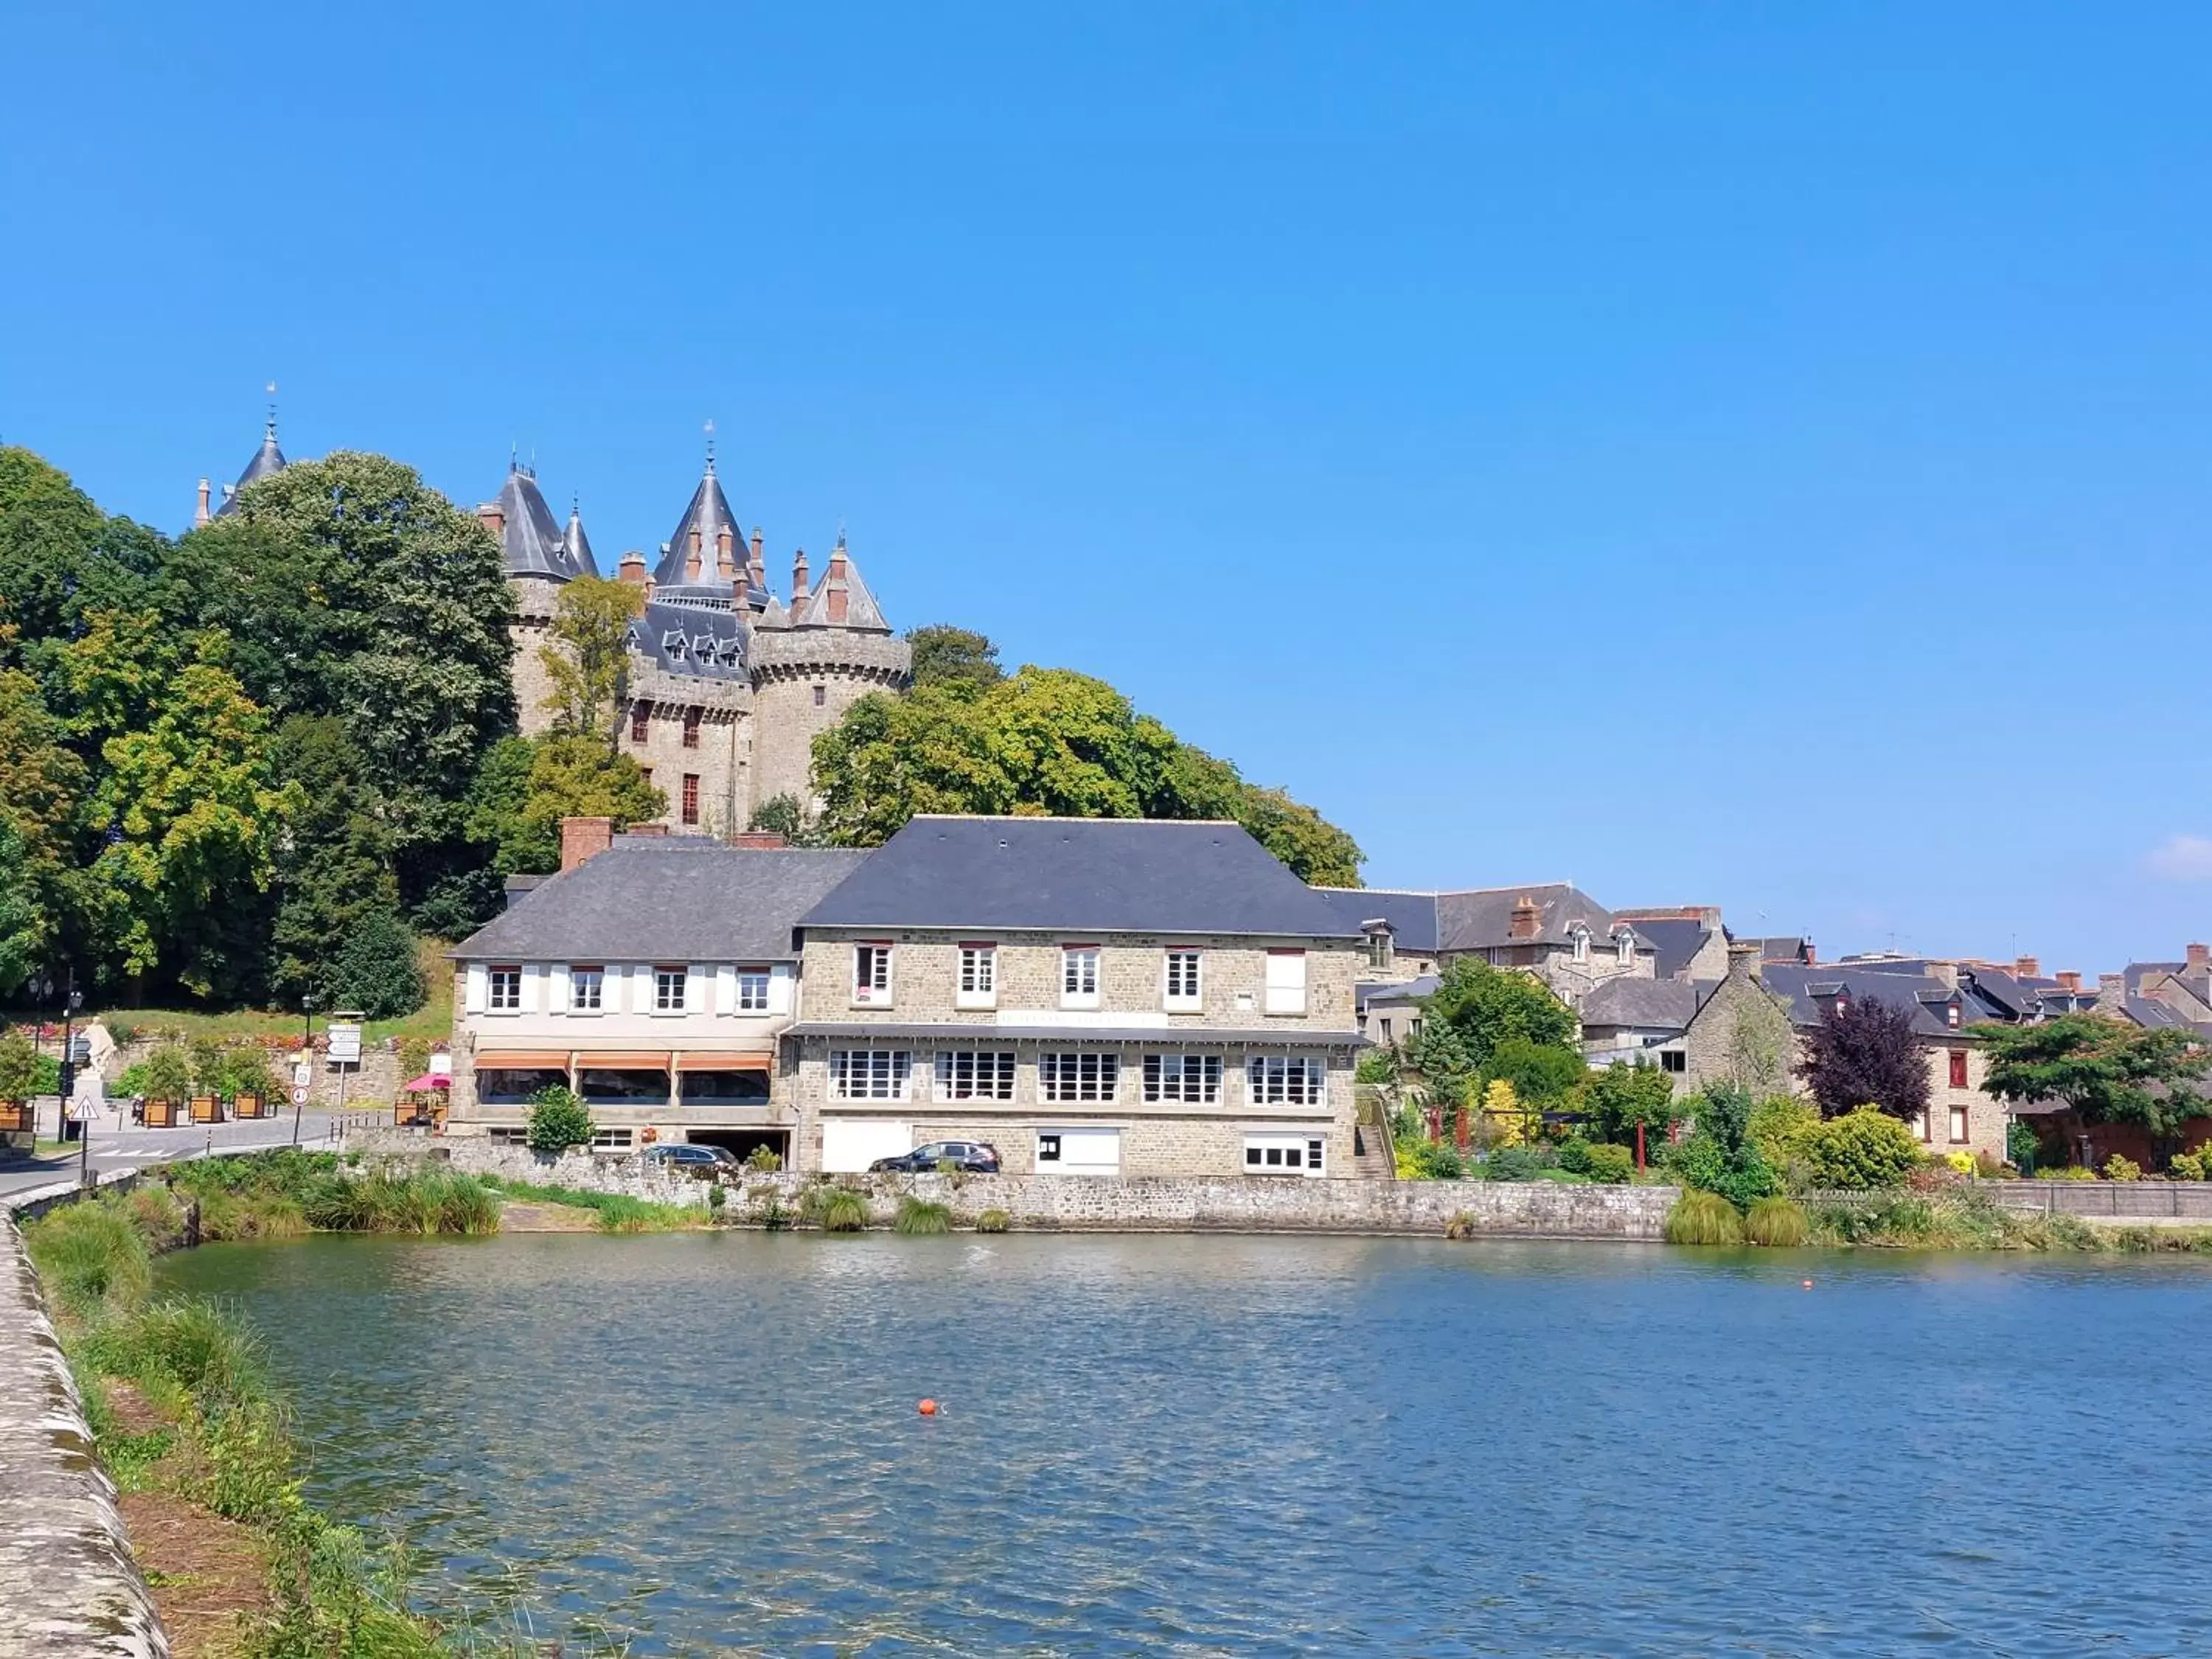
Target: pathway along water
1289 1445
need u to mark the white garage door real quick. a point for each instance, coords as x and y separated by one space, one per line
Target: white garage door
850 1144
1078 1151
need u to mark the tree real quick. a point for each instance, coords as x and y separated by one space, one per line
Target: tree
588 658
335 867
942 652
376 969
782 815
1541 1073
1447 1070
1863 1054
1622 1096
2106 1071
1720 1156
19 1068
1856 1150
1316 849
168 1074
42 788
1485 1005
558 1122
527 785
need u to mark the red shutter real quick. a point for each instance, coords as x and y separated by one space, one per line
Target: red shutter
1957 1068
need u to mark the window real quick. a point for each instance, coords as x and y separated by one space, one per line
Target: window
1957 1068
668 985
640 721
868 1073
977 985
1047 1149
505 985
821 695
748 1087
1582 943
1284 1155
691 728
1079 976
1195 1079
1960 1135
1286 983
1088 1076
1624 946
1673 1060
1385 1023
517 1087
608 1137
1951 1015
1380 948
690 797
1284 1080
753 990
1920 1125
871 973
970 1074
587 990
646 772
1183 980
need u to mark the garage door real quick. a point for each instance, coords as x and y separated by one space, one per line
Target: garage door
1078 1151
849 1144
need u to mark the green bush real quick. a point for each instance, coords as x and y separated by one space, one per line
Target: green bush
1776 1222
94 1260
1375 1065
1517 1164
1703 1217
1437 1161
558 1121
1861 1150
918 1217
2023 1147
1780 1126
1541 1073
2122 1168
1611 1166
2193 1165
835 1209
1700 1163
168 1074
1573 1155
766 1159
993 1221
379 970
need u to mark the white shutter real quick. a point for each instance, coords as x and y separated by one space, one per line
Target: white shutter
1286 981
532 973
473 999
725 988
641 987
557 989
778 988
695 987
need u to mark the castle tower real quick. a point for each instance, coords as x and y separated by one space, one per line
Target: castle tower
541 559
833 650
268 459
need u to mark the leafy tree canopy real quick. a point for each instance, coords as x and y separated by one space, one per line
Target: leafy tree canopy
1621 1096
334 869
588 660
1541 1073
1866 1055
2107 1071
1486 1005
527 785
942 652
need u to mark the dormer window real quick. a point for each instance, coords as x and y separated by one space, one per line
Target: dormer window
1581 937
1951 1015
1381 944
1624 946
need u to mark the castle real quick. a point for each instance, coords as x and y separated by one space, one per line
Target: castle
728 686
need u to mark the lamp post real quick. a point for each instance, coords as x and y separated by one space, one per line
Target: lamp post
307 1058
70 1003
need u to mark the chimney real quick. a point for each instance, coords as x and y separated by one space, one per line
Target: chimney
755 563
799 587
1743 962
2026 967
2112 990
759 841
493 517
2200 958
632 568
584 838
1528 919
647 829
200 514
2069 980
1944 973
692 560
725 565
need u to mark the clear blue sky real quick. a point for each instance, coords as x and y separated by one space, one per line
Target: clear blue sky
1717 454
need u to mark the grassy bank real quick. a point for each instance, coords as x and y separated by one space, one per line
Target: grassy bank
616 1213
1960 1218
284 1193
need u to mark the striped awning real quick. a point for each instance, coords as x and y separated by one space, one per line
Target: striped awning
522 1059
624 1060
749 1059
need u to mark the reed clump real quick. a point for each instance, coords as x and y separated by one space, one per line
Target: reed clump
1461 1226
993 1221
919 1217
835 1209
1776 1223
1699 1218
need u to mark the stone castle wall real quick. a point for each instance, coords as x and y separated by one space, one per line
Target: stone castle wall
790 668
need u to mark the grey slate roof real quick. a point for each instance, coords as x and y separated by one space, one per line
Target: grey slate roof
1367 993
672 898
577 546
1676 939
266 459
861 611
1078 875
529 539
1647 1003
709 514
1787 947
1412 916
1808 988
682 639
1482 920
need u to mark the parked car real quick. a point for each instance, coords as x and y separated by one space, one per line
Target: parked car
969 1156
690 1159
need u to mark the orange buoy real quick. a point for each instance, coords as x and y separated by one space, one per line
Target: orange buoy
1809 1284
928 1408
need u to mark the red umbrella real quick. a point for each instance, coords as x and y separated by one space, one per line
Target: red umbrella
427 1081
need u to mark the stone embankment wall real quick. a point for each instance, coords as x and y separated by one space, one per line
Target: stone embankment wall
1536 1209
68 1586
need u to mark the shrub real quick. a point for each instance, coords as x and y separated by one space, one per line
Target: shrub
1776 1222
1618 1096
378 969
1517 1164
1437 1161
918 1217
1541 1073
993 1221
1860 1150
1377 1066
1780 1126
1960 1164
837 1209
1461 1226
168 1074
2069 1172
91 1256
1703 1217
2193 1165
19 1068
717 1196
1611 1166
558 1121
1704 1165
766 1159
2023 1147
1573 1155
2122 1168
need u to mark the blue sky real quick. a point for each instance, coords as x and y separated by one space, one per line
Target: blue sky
1715 453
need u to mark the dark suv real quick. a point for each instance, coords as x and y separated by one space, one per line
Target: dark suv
969 1156
694 1159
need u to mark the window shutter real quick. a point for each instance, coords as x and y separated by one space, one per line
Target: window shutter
532 973
725 988
557 989
473 998
778 988
695 987
1286 981
641 987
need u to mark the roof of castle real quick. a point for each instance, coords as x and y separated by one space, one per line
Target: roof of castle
267 459
529 538
691 640
842 575
709 514
578 546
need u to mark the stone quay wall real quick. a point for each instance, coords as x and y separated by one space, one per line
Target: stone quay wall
1535 1209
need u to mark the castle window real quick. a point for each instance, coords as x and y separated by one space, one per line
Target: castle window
690 797
821 695
640 721
691 728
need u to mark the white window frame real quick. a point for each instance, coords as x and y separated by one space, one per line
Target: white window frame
882 1073
1182 982
753 990
1285 1080
503 988
1581 937
1191 1079
1962 1124
669 977
587 989
1080 975
873 972
1625 949
975 976
1066 1077
974 1074
1305 1155
1285 992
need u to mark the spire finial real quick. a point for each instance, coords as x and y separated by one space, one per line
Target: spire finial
841 534
710 449
272 412
513 456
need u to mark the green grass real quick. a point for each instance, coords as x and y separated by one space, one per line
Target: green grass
1777 1223
919 1218
835 1209
287 1192
434 1020
617 1212
91 1257
993 1221
1703 1219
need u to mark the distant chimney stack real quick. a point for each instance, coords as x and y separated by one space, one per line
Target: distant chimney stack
632 568
799 590
1528 919
693 559
2200 957
759 841
755 563
200 514
493 517
650 831
2026 967
2069 980
584 838
1743 960
725 563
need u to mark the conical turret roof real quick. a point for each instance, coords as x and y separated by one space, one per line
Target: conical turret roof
709 514
840 598
529 538
578 546
268 459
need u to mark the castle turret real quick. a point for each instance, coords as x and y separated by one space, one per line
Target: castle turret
267 461
834 650
540 559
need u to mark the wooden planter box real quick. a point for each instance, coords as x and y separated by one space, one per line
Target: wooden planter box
252 1106
206 1108
162 1114
15 1118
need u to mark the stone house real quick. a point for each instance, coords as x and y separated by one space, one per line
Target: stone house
1092 997
1556 932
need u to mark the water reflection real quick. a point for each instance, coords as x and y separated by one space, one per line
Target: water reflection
1255 1444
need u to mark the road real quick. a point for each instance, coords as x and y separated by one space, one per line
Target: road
127 1148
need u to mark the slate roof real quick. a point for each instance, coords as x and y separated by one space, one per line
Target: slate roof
577 546
1481 919
709 514
665 898
2134 973
1412 916
1078 875
861 611
682 639
267 459
1367 993
1786 947
1650 1004
1676 939
1808 988
529 539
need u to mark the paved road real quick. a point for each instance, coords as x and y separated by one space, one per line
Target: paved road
126 1148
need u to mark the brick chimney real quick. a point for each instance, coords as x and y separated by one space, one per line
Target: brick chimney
2111 991
1743 960
632 568
754 565
693 559
2200 957
838 596
1528 919
648 831
799 587
759 841
2069 979
725 563
200 514
493 517
2026 967
584 838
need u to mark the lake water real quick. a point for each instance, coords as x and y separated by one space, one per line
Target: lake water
708 1442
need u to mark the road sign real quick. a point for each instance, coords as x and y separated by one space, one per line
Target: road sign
345 1044
299 1094
303 1073
80 1111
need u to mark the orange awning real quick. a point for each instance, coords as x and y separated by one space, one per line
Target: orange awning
749 1059
522 1059
638 1060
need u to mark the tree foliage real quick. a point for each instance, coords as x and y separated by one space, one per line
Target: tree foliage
943 653
587 660
1865 1054
1621 1095
376 970
2106 1071
1485 1005
1541 1073
19 1068
1867 1147
527 785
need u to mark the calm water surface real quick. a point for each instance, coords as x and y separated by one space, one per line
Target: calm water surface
1280 1445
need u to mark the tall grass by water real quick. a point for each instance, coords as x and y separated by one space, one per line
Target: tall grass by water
287 1192
919 1217
617 1212
1703 1219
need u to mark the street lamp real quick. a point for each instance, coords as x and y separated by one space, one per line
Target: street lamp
70 1003
306 1058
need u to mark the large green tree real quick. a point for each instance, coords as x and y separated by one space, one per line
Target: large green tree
528 786
43 780
2106 1070
334 868
942 652
588 661
1488 1006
